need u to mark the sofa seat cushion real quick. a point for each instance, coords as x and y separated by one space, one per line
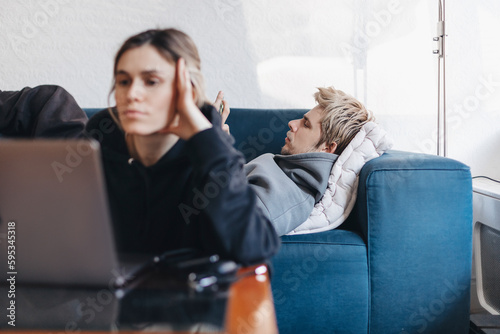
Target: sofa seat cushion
320 282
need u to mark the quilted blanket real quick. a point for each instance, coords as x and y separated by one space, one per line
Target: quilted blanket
339 198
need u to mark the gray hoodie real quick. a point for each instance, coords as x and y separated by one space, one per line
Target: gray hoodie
288 186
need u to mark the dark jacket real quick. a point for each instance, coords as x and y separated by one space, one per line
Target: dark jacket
40 112
196 196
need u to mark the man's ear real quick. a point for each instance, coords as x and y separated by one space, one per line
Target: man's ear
330 148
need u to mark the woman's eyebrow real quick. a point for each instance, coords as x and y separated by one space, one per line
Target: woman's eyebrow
145 72
150 72
121 72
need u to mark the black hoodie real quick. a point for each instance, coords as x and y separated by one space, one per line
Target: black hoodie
195 196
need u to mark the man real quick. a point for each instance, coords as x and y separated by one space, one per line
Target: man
289 185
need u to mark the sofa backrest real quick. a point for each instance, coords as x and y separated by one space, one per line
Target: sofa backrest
255 131
91 111
258 131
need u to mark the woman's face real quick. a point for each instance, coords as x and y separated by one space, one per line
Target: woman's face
144 90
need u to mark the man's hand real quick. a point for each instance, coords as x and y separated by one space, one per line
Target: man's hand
219 101
188 119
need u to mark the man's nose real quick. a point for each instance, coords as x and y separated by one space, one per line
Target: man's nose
293 125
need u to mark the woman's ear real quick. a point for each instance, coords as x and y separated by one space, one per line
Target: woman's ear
193 91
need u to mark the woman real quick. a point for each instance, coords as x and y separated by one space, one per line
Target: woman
173 178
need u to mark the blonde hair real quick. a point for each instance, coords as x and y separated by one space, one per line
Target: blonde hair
342 117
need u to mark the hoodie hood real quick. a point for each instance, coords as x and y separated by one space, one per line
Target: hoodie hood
288 186
309 171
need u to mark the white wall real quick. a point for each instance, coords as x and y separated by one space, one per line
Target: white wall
474 85
274 53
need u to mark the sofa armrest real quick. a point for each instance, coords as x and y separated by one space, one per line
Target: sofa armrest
415 214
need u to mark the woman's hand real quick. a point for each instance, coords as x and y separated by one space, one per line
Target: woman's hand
225 111
188 119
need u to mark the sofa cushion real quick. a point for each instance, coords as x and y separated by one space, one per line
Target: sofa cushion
320 283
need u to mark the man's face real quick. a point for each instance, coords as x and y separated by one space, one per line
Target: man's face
304 134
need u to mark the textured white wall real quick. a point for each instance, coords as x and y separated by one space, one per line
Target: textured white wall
272 54
259 52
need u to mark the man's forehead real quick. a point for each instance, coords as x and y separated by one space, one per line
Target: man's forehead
314 115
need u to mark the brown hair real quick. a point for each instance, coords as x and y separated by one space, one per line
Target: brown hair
342 117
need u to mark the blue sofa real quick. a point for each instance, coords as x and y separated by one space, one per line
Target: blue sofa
401 263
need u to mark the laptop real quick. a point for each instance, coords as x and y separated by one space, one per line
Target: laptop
55 225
